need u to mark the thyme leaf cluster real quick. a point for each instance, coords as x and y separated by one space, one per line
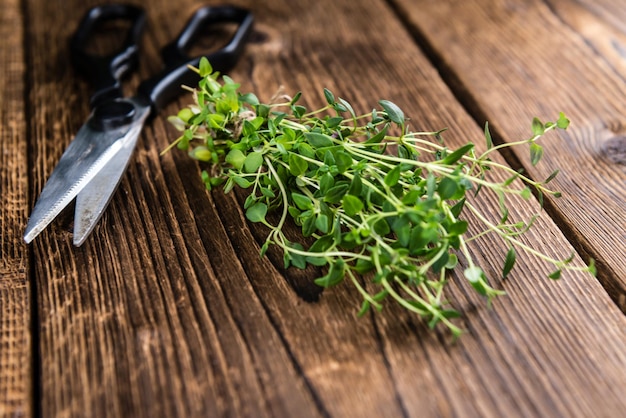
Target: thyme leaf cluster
383 206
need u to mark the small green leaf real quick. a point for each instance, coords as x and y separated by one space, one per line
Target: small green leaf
537 127
294 212
216 120
250 200
182 143
235 158
339 107
562 122
201 153
352 205
318 140
453 260
329 158
326 182
229 185
536 152
457 208
337 234
457 154
308 226
295 98
297 260
205 67
302 201
441 262
298 111
431 185
363 266
267 192
404 235
411 197
242 182
297 164
379 136
335 274
253 162
488 136
334 122
257 212
551 177
249 98
509 262
330 97
317 261
348 107
365 307
393 176
382 228
476 277
322 223
356 185
392 110
336 193
473 274
555 275
510 180
458 228
447 188
322 244
343 161
305 150
264 248
185 114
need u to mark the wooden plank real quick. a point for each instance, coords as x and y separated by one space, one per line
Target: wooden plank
15 334
168 311
515 61
601 25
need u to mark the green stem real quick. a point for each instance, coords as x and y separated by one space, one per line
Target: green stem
517 243
283 192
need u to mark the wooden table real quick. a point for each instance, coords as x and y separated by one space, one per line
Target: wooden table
167 310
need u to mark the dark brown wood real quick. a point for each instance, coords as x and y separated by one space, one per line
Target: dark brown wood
16 383
515 61
167 309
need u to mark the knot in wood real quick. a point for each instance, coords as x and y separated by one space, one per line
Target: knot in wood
615 149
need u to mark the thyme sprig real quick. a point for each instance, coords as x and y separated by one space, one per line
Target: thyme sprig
383 206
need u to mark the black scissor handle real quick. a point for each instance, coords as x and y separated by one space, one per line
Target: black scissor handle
164 87
106 71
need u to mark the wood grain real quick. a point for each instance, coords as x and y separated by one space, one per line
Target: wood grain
167 310
601 25
15 334
512 61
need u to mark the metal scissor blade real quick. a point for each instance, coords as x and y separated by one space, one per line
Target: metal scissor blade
96 195
84 157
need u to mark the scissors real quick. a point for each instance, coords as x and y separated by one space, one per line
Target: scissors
92 166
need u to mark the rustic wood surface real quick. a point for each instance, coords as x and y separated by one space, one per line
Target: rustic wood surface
16 349
167 310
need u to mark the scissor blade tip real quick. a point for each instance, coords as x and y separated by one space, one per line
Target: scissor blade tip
78 241
30 234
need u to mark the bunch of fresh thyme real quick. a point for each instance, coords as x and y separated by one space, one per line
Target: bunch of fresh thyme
394 218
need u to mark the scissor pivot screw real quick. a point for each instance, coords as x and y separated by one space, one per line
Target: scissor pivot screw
113 114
